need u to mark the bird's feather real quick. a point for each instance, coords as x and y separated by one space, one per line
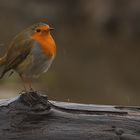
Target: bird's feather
17 53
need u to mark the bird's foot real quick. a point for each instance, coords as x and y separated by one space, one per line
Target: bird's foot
31 90
23 92
27 91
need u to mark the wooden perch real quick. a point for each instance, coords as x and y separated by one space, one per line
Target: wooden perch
35 118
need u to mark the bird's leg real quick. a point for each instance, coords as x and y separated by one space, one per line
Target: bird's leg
30 86
29 94
23 81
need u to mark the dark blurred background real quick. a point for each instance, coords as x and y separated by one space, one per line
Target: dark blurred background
98 48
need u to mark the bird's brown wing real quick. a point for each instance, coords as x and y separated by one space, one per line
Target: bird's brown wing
16 54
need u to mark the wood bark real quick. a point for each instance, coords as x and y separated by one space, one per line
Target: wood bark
34 117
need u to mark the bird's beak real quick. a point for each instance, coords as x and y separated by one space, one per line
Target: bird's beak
51 28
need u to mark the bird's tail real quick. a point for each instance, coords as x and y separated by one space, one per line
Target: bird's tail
2 65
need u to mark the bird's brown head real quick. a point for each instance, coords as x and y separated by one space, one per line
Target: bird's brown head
41 29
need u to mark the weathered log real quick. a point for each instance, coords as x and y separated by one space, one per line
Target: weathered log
33 117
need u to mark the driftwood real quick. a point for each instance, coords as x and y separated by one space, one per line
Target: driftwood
35 118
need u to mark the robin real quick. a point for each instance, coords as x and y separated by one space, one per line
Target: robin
30 53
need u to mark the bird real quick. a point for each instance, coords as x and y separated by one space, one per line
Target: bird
30 53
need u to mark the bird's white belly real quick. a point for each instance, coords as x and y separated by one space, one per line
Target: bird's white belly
35 64
40 65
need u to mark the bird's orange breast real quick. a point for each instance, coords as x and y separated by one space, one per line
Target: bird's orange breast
47 43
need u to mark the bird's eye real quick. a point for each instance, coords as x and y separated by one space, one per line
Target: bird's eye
38 30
